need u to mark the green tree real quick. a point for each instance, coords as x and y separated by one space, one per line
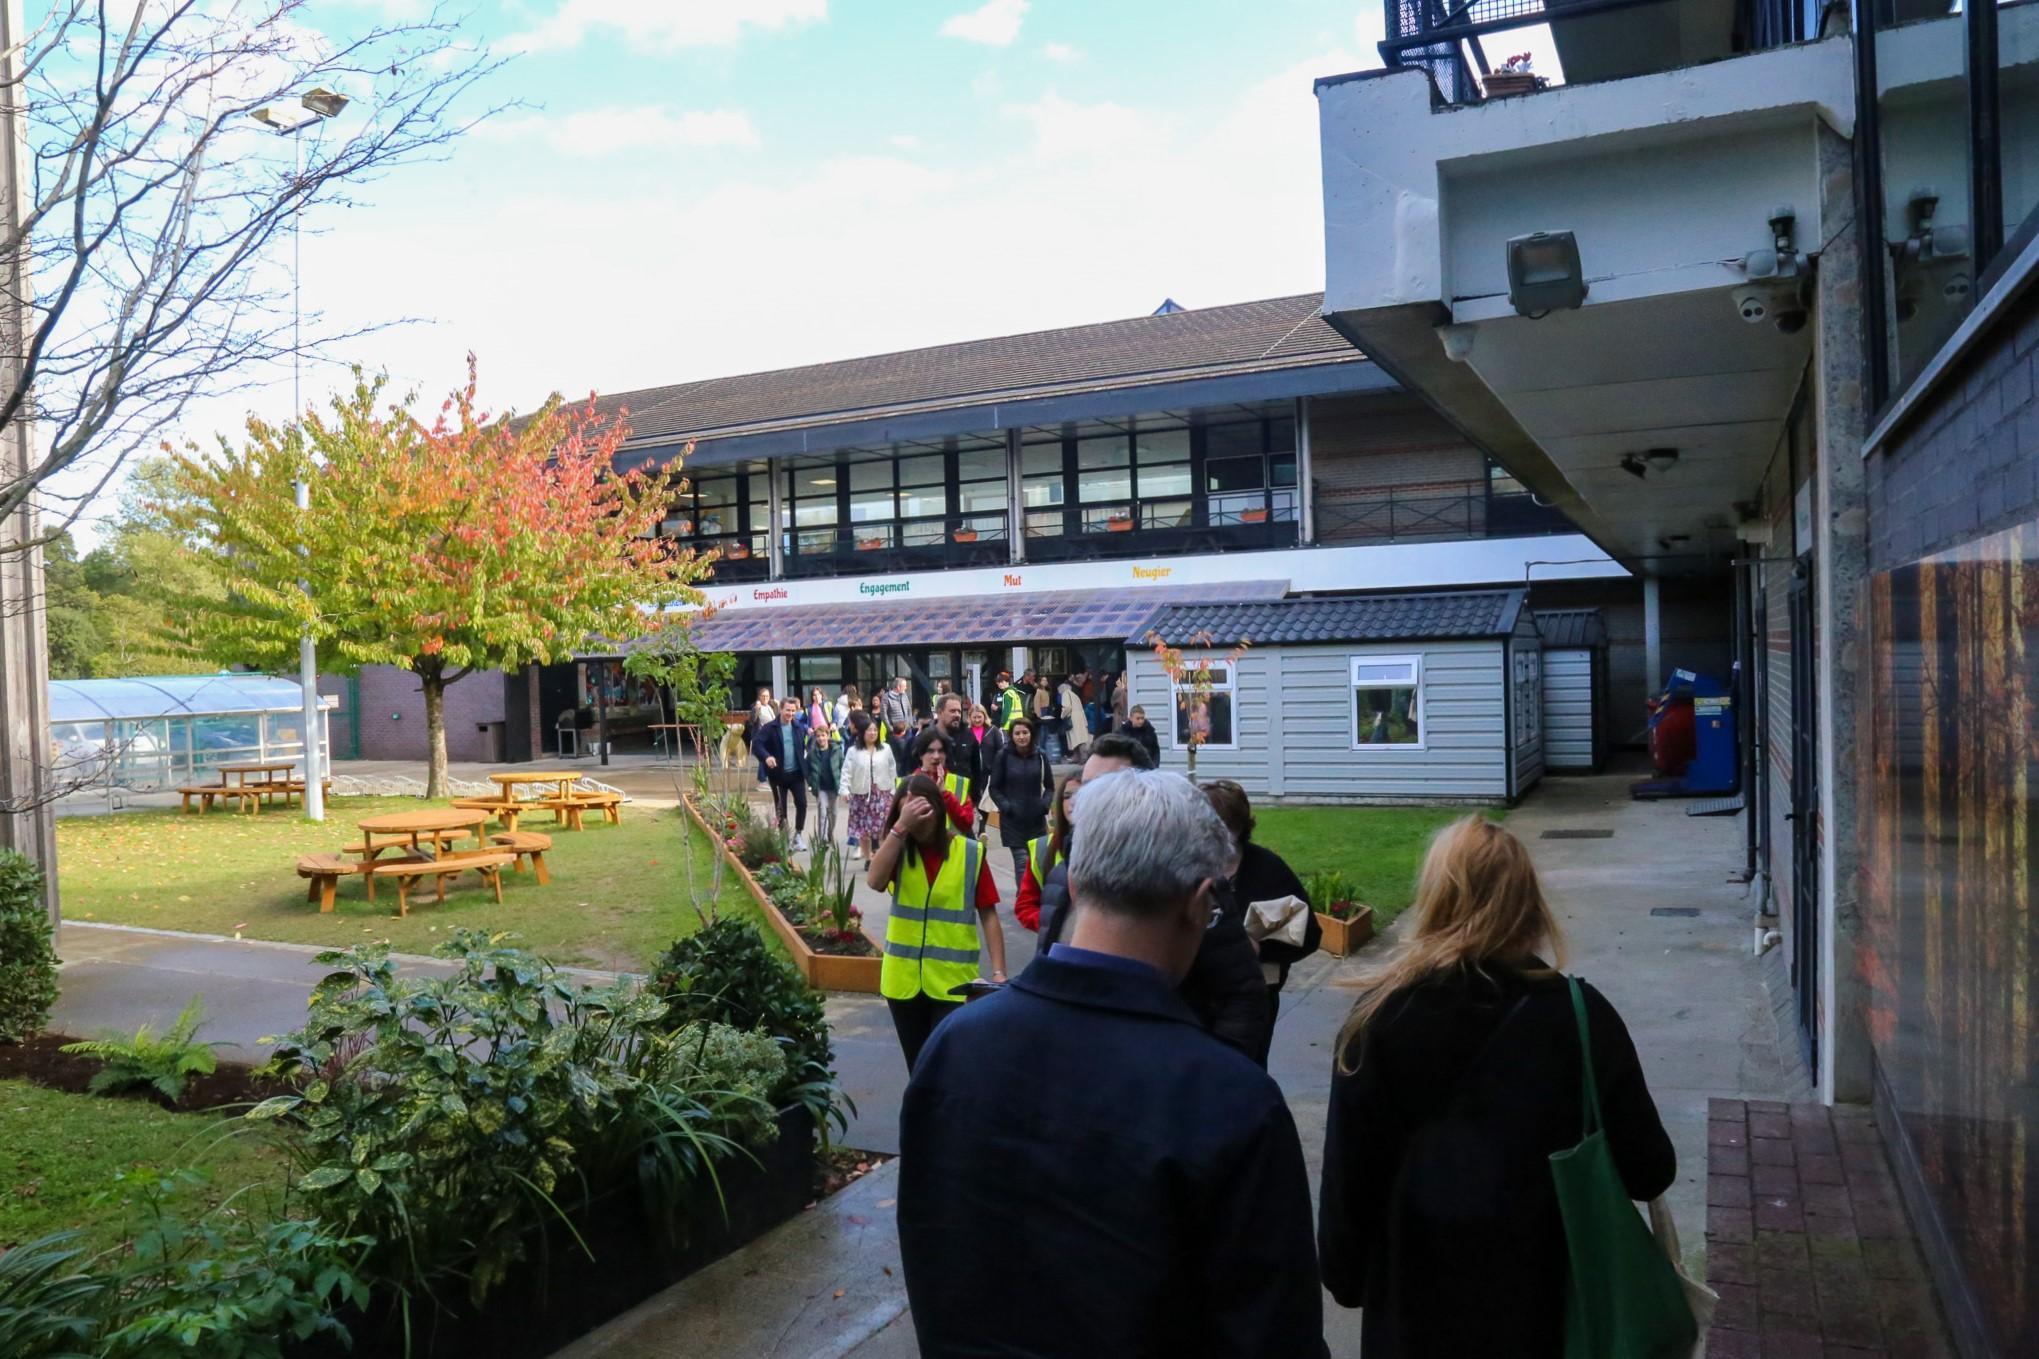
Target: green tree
72 610
474 542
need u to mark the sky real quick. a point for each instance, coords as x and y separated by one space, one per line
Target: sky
695 188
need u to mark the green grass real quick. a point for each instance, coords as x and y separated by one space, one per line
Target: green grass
618 896
1378 849
60 1155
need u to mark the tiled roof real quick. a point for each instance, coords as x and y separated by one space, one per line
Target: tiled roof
1571 627
1365 618
1275 333
1037 616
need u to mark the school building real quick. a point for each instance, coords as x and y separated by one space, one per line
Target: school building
1750 297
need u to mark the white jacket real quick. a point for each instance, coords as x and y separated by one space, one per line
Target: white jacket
868 771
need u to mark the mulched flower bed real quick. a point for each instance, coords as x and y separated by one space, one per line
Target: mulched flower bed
853 944
842 1167
40 1062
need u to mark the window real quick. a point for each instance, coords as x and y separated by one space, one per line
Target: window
1387 702
1213 718
1042 487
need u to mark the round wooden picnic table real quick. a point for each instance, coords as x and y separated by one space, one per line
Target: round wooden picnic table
415 824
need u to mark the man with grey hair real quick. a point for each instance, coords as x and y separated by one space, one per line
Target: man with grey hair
1150 1198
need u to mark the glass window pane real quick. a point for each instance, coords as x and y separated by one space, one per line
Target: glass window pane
916 504
974 464
1166 514
1282 469
874 475
1284 507
1231 441
1044 524
982 495
810 512
1173 479
1037 491
1161 445
1038 459
1386 715
927 471
1394 672
1212 719
1113 450
1108 483
866 506
1233 474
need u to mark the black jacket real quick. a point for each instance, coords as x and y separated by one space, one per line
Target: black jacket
1438 1214
768 741
1224 988
1265 876
1146 736
964 759
1149 1202
1023 788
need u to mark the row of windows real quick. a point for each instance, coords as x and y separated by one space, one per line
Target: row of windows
1386 703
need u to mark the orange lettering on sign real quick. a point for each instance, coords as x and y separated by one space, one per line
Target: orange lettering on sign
1011 580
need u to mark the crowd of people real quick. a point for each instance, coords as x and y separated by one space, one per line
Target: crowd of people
1106 1117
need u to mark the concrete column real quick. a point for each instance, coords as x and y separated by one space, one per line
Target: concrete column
1020 661
775 493
779 681
1306 499
1015 502
1653 636
1840 581
27 823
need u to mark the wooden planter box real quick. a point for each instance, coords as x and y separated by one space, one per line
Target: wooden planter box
1342 938
1118 525
964 535
822 971
736 552
1502 84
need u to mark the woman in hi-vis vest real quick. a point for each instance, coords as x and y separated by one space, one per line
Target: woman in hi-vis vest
944 907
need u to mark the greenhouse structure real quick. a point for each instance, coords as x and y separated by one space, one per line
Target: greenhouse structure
110 737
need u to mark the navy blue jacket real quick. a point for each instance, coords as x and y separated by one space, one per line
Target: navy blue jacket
1147 1199
768 742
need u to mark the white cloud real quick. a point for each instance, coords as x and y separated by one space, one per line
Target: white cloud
995 24
1061 51
667 24
1066 130
905 141
618 128
987 85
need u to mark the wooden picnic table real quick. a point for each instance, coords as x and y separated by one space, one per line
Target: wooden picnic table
416 824
509 780
241 771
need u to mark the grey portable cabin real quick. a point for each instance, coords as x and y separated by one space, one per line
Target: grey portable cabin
1575 707
1371 698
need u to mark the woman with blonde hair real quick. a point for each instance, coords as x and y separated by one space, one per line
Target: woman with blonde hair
1458 1074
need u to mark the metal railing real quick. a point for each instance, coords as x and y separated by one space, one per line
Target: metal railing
1444 36
977 539
1391 515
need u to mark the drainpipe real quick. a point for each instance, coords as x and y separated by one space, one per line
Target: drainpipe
1653 633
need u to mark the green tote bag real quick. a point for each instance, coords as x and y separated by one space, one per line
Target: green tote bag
1624 1300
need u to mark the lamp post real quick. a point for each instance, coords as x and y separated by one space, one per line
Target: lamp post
318 105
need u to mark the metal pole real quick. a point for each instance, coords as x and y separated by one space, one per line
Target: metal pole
307 650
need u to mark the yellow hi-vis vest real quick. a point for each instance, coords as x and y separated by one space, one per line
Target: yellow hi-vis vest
1011 706
1040 859
952 784
931 936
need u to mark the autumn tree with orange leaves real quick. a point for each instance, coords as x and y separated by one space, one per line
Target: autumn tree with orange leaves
472 542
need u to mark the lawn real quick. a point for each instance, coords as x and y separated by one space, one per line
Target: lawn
619 894
1378 849
59 1153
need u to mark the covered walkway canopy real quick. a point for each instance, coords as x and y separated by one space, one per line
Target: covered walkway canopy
157 731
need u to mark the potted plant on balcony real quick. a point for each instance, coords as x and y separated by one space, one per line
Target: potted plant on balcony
1514 77
965 535
1347 924
1119 523
1254 516
870 544
737 552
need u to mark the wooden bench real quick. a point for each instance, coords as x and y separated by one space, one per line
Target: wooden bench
567 810
408 871
526 845
505 810
373 845
323 872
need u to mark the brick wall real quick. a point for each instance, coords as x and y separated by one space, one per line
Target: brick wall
1968 463
392 714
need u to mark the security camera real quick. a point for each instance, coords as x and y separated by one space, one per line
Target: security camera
1789 317
1781 304
1753 302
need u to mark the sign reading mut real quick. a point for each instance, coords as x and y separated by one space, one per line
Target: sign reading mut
1386 566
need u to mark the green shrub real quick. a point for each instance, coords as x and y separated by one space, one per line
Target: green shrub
725 973
163 1064
49 1307
735 1062
28 955
445 1116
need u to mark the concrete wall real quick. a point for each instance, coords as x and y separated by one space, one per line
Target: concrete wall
392 715
1294 722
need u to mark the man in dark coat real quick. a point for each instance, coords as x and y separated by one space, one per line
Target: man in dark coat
1148 1201
1141 730
781 749
1224 988
966 762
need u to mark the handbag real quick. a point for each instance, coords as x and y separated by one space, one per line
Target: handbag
1623 1300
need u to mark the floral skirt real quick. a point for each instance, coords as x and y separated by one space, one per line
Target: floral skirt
867 816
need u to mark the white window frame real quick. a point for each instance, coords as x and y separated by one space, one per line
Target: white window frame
1353 685
1230 689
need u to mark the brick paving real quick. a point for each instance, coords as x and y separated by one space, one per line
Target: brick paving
1807 1242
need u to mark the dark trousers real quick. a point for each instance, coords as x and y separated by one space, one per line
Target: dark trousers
915 1020
1019 867
795 783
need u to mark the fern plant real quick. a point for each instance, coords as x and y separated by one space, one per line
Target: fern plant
163 1064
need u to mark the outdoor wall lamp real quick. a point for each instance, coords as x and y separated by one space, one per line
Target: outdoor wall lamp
1661 459
1544 273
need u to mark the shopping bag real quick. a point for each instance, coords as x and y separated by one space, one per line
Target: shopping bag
1623 1299
1701 1299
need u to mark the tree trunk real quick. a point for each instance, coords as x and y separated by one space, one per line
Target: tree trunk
434 684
